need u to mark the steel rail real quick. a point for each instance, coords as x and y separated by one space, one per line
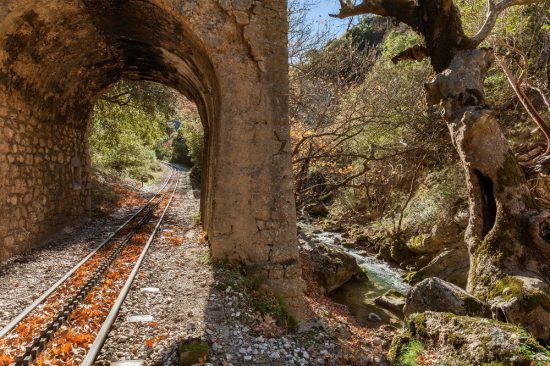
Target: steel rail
101 336
40 342
13 323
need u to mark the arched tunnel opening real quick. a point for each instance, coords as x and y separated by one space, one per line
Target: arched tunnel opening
60 58
138 129
57 58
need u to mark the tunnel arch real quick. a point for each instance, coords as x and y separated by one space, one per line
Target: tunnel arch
229 57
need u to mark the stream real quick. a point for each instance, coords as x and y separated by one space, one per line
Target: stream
359 295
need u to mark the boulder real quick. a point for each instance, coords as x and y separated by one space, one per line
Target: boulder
391 300
317 209
447 339
522 300
333 267
452 265
434 294
442 235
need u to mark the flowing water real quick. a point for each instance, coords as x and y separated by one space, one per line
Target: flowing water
359 295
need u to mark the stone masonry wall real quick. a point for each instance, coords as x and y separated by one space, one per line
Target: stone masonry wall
43 180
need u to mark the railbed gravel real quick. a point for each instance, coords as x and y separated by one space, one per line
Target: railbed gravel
25 277
188 306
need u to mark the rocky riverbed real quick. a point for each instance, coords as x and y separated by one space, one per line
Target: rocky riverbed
359 280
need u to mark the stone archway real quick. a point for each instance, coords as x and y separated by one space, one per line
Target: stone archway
229 57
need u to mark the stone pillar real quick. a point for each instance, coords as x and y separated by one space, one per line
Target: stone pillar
253 216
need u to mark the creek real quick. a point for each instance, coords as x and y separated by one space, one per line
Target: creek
359 295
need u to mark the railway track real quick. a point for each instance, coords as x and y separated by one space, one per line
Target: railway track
68 324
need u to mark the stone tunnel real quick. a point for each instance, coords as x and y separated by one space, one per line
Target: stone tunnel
228 56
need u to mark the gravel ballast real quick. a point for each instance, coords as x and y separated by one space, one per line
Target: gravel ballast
25 277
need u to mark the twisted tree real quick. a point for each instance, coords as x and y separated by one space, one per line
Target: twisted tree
508 235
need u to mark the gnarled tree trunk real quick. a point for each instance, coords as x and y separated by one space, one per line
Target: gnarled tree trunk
508 236
507 233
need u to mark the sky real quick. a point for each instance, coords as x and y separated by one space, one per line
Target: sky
320 13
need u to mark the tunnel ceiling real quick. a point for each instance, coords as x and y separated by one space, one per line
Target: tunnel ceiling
60 56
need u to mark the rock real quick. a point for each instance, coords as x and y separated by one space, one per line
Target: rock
317 209
449 339
362 240
524 301
452 265
375 317
434 294
333 267
343 331
391 300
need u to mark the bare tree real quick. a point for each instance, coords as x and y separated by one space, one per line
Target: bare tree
508 234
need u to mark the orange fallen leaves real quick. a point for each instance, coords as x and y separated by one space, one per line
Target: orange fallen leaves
72 340
151 342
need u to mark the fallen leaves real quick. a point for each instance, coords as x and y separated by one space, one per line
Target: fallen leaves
151 342
267 326
71 341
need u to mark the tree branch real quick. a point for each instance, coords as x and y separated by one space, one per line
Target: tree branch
347 9
416 53
515 83
405 11
493 11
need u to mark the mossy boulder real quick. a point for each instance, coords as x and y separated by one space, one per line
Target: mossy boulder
392 300
446 339
522 300
452 265
437 295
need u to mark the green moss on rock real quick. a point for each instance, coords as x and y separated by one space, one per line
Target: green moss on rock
463 340
193 352
510 287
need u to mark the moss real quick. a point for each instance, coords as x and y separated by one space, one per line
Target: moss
398 342
511 287
510 174
531 349
417 324
193 352
416 241
406 346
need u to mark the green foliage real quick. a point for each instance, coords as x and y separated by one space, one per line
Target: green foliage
180 151
265 302
368 32
257 292
530 348
398 41
189 141
409 354
197 218
441 194
130 124
188 146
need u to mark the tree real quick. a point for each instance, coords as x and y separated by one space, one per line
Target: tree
132 121
508 235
